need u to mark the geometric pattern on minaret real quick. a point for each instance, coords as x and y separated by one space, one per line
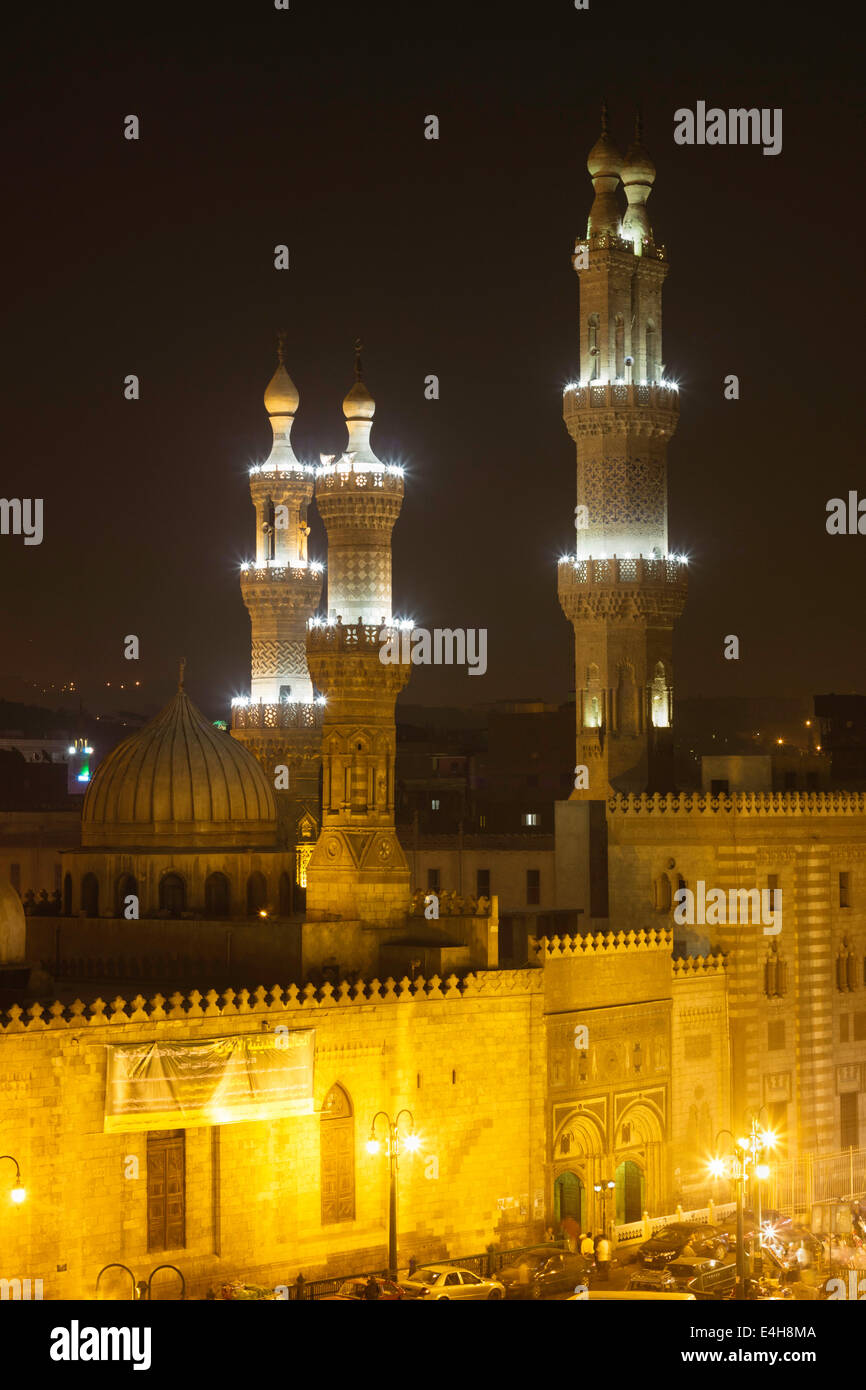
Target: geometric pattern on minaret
622 590
357 870
279 721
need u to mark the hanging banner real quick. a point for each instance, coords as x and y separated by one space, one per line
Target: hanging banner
174 1085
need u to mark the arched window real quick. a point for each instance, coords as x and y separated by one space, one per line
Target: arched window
67 895
592 347
216 895
172 894
269 529
285 895
337 1131
257 893
660 703
619 346
126 886
90 895
651 350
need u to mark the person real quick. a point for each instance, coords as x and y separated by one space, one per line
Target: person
300 1287
549 1235
413 1265
857 1224
804 1258
587 1246
372 1289
523 1272
688 1251
602 1254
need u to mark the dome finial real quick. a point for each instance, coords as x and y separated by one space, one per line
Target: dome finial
638 125
604 121
359 348
281 347
180 674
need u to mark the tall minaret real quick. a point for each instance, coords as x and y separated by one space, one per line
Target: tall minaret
623 589
279 721
358 870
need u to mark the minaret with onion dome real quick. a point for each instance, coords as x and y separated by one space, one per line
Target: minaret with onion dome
358 871
279 720
622 589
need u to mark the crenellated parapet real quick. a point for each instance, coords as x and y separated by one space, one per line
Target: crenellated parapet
603 943
690 967
643 409
274 1000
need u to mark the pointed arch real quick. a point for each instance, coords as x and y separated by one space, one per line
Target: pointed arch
337 1156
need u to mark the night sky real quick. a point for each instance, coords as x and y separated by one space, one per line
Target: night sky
448 257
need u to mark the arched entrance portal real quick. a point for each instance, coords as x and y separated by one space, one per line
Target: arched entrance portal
630 1193
569 1198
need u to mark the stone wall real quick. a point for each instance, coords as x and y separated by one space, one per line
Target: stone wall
467 1058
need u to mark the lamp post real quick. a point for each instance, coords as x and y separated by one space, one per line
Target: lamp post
18 1192
760 1140
747 1153
392 1148
604 1189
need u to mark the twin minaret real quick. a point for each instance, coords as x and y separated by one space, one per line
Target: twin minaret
622 589
357 869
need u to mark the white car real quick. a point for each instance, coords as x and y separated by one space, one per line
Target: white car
444 1282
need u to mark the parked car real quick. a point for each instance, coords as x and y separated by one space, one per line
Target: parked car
444 1282
357 1289
546 1272
668 1243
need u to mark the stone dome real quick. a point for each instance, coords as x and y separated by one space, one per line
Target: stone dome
281 394
637 166
13 925
177 783
359 404
604 159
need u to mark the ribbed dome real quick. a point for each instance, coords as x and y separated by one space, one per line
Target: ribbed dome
638 166
13 927
281 395
179 782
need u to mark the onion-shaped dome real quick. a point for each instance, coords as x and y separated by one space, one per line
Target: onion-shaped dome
179 783
281 395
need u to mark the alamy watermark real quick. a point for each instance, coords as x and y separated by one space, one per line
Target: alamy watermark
22 516
736 126
738 907
444 646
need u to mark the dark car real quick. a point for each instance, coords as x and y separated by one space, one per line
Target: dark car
668 1243
356 1289
545 1272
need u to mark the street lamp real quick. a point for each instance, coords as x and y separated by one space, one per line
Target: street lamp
748 1152
18 1192
392 1148
604 1189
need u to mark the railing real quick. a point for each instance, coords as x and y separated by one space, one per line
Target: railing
835 803
280 716
798 1184
350 481
339 636
650 1225
486 1266
281 574
611 241
603 395
622 570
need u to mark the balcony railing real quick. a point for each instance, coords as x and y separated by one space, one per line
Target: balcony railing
611 394
285 715
620 570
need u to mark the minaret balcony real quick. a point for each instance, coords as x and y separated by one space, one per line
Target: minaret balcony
345 637
272 573
612 241
287 714
619 570
331 479
620 406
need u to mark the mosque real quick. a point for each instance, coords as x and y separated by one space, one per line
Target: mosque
226 1133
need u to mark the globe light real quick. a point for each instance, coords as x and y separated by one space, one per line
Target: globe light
762 1171
372 1146
412 1143
716 1167
769 1139
18 1194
